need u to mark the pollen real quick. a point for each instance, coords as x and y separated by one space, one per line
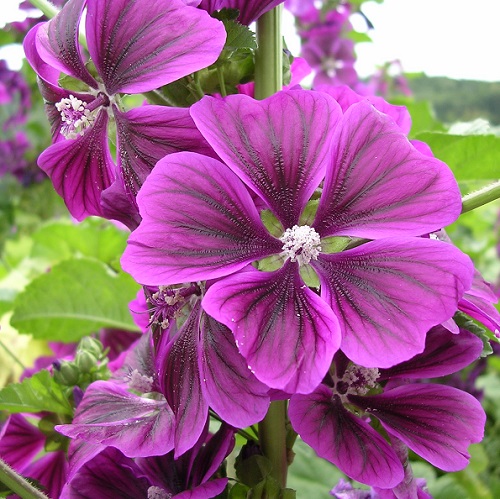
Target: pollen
75 116
301 244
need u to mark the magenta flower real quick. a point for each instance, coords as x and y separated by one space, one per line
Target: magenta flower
379 299
134 50
435 421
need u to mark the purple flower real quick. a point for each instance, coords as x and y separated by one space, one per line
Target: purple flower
250 10
202 220
134 50
435 421
192 368
191 476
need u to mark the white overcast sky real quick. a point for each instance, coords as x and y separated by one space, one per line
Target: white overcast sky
455 38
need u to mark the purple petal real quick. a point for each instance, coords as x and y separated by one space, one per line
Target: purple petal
346 97
79 453
445 353
389 293
231 389
344 439
137 49
20 442
110 415
57 42
250 10
179 376
45 71
51 471
148 133
379 185
108 476
199 222
205 491
478 303
81 169
118 203
286 333
278 146
435 421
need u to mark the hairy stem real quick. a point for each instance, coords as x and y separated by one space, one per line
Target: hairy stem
481 197
268 80
48 8
18 484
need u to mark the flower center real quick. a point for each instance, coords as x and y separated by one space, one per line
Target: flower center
155 492
75 116
357 380
301 244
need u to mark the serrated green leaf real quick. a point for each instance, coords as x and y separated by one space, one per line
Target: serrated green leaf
75 298
35 394
471 157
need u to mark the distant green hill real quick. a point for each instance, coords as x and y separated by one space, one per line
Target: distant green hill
459 100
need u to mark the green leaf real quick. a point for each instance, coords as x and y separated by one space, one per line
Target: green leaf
96 238
75 298
310 475
35 394
471 157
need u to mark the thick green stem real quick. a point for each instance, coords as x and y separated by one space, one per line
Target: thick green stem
269 80
269 56
48 8
481 197
18 484
272 439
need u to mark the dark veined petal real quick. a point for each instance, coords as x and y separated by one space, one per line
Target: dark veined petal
51 471
179 376
279 146
57 42
198 222
107 476
445 353
230 388
287 334
148 133
250 10
79 453
110 415
346 97
435 421
344 439
379 185
387 294
137 48
81 169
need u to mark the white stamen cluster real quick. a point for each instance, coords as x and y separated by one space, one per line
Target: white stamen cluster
360 380
301 244
75 116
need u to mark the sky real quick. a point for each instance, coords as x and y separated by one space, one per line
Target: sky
455 38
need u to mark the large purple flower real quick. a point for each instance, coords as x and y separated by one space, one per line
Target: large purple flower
435 421
134 50
249 10
203 219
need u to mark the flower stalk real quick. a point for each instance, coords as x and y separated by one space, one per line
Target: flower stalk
481 197
18 484
269 80
48 8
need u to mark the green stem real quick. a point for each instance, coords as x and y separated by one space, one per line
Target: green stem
12 355
481 197
49 9
18 484
269 56
222 83
272 439
269 80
